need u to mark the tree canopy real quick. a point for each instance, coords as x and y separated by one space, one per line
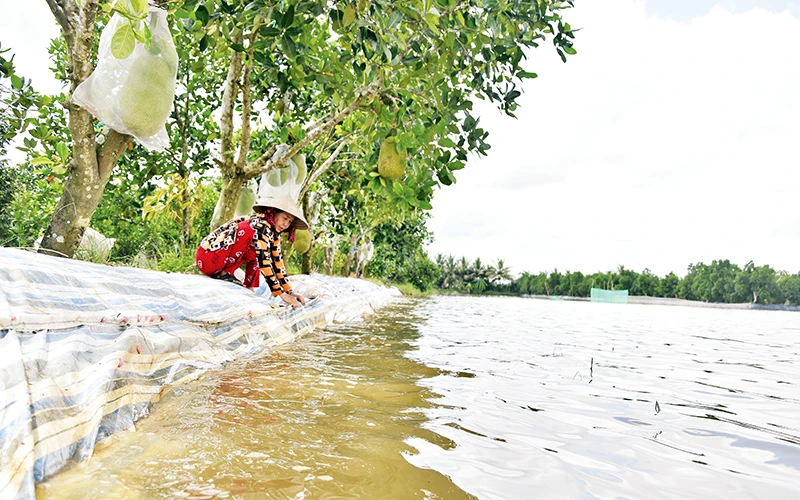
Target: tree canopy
258 84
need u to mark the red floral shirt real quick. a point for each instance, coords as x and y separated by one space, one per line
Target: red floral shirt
267 246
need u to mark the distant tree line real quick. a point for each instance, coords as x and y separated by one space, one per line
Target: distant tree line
720 281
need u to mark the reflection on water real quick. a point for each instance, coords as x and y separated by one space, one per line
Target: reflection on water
456 397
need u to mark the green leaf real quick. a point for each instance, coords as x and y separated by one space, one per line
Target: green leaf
63 151
269 31
148 41
349 16
138 34
139 6
123 41
449 39
59 169
456 165
570 51
432 20
288 17
424 205
201 14
238 47
444 178
289 47
527 74
395 19
446 142
17 82
42 160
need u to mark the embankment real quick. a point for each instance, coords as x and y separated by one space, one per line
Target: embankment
86 350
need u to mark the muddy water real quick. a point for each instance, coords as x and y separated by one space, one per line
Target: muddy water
456 397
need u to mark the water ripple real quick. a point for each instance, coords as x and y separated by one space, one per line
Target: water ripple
491 398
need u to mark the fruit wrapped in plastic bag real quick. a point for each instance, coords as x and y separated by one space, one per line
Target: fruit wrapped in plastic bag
132 88
286 181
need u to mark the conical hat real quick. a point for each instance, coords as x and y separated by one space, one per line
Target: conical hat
286 204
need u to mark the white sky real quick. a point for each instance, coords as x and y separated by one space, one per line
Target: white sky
671 138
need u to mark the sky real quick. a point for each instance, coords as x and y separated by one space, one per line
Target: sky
672 138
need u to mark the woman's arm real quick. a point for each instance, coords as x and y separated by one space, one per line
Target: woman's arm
283 277
280 269
263 248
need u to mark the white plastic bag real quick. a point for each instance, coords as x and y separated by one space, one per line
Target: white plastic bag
132 88
286 181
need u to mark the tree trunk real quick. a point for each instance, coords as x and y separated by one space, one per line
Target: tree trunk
186 226
351 254
89 171
84 187
307 261
330 255
287 248
182 170
360 268
228 198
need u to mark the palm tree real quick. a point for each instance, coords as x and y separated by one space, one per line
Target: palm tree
449 272
478 270
463 271
501 274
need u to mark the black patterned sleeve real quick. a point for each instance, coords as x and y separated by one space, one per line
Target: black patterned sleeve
262 243
280 269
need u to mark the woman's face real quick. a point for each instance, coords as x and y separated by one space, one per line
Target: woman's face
283 221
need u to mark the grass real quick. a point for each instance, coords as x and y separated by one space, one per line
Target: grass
406 289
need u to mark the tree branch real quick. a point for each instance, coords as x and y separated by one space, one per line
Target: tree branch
113 148
325 166
228 103
244 144
247 102
81 40
266 163
184 126
59 11
262 160
322 147
88 17
410 91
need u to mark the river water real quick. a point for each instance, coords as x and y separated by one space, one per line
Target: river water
496 398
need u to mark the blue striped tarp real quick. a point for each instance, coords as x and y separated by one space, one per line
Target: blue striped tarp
87 349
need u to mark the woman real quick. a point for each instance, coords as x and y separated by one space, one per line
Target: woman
253 241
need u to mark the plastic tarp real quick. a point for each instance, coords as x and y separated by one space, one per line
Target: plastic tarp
609 296
87 349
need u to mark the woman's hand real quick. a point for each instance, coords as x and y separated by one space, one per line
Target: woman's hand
299 297
291 299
